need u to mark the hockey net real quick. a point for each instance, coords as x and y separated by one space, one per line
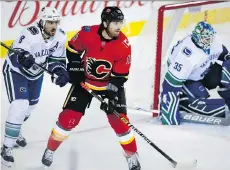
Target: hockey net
166 25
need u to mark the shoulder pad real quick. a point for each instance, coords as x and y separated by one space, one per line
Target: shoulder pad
86 28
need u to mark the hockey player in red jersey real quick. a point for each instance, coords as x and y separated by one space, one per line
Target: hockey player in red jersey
100 56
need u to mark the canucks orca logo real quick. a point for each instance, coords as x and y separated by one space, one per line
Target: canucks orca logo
98 68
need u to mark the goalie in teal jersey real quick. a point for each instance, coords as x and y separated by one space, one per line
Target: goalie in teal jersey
192 71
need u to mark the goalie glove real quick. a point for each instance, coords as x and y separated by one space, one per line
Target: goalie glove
225 75
227 56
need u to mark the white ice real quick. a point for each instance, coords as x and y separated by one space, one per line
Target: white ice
93 144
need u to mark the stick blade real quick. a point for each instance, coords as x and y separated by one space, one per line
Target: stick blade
186 165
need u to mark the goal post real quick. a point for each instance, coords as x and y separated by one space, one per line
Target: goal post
166 25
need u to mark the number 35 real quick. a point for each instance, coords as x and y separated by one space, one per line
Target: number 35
178 66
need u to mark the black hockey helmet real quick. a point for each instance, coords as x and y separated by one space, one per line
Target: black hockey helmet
112 13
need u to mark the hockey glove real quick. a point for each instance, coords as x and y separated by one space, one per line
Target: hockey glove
227 56
60 76
225 75
76 72
75 66
111 95
26 59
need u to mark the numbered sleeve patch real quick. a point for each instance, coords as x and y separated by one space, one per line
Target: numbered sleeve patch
186 51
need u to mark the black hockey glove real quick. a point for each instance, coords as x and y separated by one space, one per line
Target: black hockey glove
111 95
75 66
26 59
76 72
227 56
60 77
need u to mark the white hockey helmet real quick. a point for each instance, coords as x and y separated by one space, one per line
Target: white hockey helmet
49 14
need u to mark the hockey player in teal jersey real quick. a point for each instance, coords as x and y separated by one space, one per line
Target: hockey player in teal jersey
192 71
43 43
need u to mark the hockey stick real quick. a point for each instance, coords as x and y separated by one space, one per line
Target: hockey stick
173 162
195 118
41 67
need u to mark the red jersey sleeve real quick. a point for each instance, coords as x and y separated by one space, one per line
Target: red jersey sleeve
122 64
76 43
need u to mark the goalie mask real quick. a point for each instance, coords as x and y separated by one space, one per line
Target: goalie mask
203 35
49 20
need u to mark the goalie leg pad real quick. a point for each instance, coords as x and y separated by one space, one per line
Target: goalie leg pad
125 134
209 107
169 109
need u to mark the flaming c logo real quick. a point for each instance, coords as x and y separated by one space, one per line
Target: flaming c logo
98 68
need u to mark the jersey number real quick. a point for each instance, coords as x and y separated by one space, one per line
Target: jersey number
21 38
178 66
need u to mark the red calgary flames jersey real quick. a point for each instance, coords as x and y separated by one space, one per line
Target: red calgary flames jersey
103 59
